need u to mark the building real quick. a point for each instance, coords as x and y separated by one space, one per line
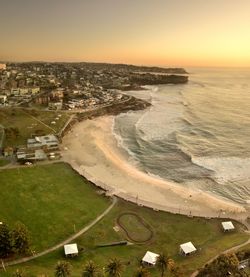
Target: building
23 91
31 155
15 91
187 248
150 258
227 226
49 141
2 66
55 105
35 90
8 151
70 250
3 99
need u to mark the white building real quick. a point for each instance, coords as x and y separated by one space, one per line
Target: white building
70 250
227 226
49 141
3 99
150 258
187 248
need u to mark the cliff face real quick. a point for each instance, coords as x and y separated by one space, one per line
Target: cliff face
152 79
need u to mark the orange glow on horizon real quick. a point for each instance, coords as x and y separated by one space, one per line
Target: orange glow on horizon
165 32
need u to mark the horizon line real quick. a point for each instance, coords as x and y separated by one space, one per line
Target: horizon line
123 63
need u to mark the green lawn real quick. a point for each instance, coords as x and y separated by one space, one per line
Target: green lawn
134 228
3 162
51 200
27 125
169 232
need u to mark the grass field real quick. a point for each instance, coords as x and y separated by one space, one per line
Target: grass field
52 201
3 162
28 123
169 232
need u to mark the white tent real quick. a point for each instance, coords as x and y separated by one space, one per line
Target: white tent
150 258
227 226
70 249
187 248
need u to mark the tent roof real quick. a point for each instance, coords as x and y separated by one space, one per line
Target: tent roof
227 225
150 258
70 249
188 247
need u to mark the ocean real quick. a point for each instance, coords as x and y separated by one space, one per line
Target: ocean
196 134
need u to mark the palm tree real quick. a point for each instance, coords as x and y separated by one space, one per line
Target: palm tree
62 269
18 273
142 272
164 263
114 268
90 270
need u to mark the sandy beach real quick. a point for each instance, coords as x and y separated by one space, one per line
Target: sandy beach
92 150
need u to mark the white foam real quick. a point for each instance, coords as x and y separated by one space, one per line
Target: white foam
155 124
121 144
225 168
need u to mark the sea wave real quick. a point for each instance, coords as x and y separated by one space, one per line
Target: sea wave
193 134
121 144
226 169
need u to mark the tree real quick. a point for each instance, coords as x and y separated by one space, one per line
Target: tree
62 269
90 270
164 263
5 241
20 239
142 272
114 268
221 267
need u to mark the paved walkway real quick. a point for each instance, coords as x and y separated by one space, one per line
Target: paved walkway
232 249
66 124
60 245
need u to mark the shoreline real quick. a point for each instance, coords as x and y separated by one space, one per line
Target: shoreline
92 151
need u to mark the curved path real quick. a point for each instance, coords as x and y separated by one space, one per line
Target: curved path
234 248
68 240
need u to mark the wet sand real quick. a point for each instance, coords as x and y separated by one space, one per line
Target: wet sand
92 150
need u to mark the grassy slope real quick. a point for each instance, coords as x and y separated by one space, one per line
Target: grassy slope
27 126
170 231
50 200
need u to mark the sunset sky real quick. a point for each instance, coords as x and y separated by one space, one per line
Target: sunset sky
151 32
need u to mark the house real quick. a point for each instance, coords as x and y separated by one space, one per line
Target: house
35 90
150 258
70 250
3 99
2 66
227 226
15 91
8 151
23 91
187 248
55 105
